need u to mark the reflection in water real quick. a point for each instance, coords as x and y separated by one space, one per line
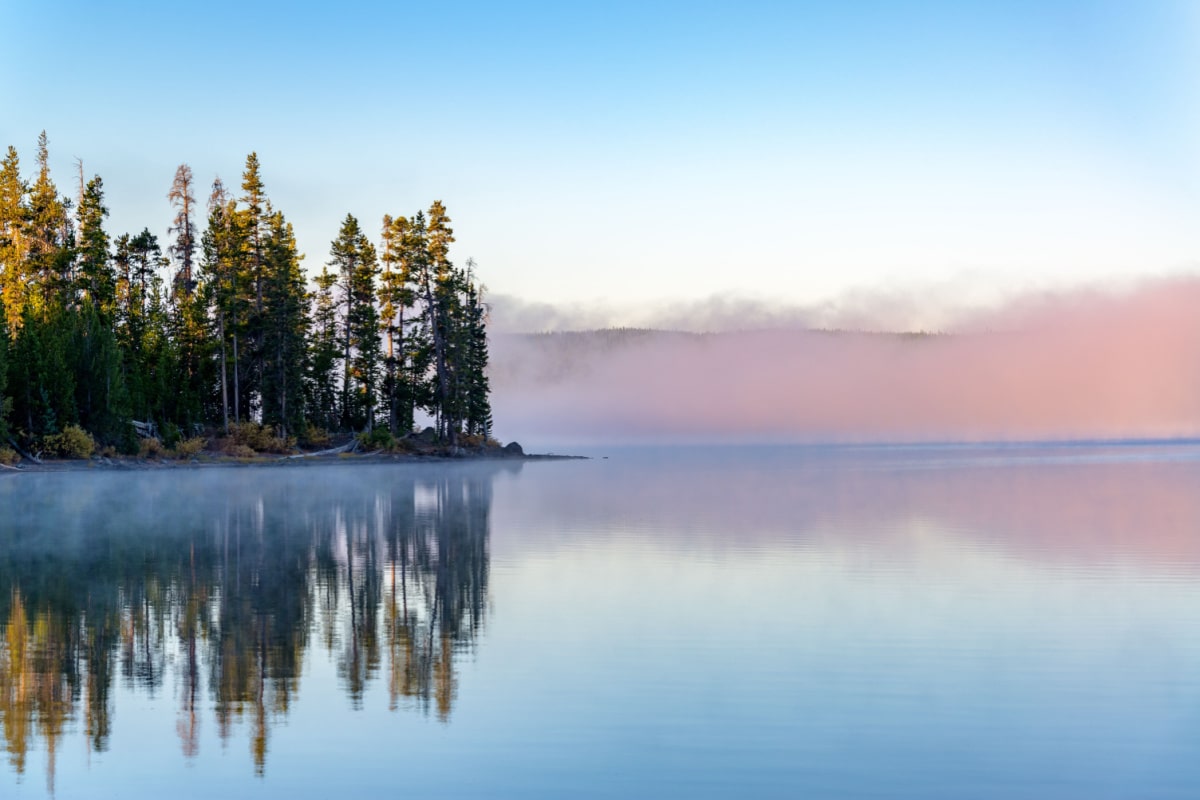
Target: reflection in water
217 585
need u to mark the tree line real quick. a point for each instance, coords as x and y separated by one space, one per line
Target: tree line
218 326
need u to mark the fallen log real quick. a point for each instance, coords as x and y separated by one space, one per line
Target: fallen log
22 451
349 447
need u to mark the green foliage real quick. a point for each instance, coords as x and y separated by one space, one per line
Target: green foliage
377 439
73 442
8 456
98 330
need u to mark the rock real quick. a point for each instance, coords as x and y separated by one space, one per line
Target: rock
513 449
427 436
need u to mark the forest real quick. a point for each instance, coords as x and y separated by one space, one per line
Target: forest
216 330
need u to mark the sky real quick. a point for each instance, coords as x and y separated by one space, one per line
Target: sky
638 154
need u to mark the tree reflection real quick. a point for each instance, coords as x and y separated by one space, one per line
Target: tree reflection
218 590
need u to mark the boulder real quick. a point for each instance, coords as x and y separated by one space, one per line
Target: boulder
427 436
513 449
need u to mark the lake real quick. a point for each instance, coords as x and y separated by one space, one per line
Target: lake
913 622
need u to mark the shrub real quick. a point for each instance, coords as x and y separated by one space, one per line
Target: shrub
377 439
259 438
9 457
315 437
187 448
151 448
239 451
73 442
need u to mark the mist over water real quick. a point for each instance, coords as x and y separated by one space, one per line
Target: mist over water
1072 365
761 621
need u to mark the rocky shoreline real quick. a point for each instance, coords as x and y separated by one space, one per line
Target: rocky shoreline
421 453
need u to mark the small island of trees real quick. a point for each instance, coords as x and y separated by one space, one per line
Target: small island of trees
217 330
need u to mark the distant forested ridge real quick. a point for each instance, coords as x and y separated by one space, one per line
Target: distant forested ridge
216 326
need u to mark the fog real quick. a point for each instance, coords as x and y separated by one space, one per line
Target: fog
1091 363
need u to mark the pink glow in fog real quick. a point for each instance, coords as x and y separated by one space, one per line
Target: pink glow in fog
1088 364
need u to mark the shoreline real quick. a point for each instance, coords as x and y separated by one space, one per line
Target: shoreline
134 464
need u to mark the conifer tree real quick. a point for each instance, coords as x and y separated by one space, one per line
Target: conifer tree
439 286
49 236
94 271
183 249
254 224
188 306
222 244
14 215
353 256
5 402
323 354
285 327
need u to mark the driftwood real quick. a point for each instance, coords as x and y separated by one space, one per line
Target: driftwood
23 452
349 447
145 430
14 469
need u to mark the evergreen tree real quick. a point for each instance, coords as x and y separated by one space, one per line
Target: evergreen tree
188 305
50 237
183 249
254 225
14 216
478 416
353 257
222 244
5 402
323 354
285 327
94 271
99 384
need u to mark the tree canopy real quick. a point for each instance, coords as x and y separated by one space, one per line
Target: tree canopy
218 324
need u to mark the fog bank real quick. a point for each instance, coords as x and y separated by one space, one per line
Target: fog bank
1068 365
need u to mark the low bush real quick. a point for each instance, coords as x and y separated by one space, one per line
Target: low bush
315 438
9 457
187 448
151 448
377 439
239 451
73 442
260 438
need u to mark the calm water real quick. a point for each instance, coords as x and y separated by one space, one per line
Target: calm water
759 622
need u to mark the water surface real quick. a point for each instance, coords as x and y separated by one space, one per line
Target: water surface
772 622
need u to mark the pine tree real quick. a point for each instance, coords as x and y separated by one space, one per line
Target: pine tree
5 401
284 330
222 244
183 249
353 256
439 287
188 304
94 270
323 354
50 237
99 384
477 403
254 224
14 217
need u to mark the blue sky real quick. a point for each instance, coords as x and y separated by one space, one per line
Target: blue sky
653 152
